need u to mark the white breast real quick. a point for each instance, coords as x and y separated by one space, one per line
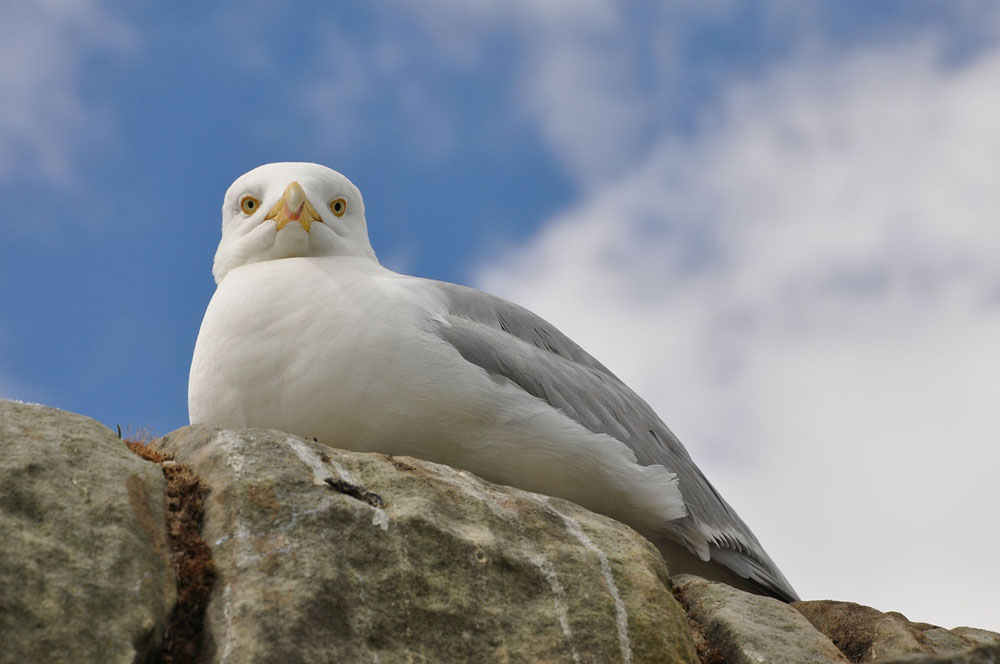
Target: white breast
345 351
332 348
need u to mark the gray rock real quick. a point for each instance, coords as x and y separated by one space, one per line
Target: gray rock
330 556
981 654
865 634
976 635
84 569
737 627
323 555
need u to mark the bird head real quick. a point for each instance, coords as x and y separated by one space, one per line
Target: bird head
287 210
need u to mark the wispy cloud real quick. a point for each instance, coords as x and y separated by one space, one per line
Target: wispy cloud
807 290
44 113
574 76
355 81
561 68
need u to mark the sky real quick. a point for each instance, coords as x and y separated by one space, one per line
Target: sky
777 221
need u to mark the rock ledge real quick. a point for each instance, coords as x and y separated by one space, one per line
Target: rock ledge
257 546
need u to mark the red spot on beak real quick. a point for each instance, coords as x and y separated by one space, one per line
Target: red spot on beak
293 215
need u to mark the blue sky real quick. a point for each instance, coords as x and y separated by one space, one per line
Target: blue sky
776 220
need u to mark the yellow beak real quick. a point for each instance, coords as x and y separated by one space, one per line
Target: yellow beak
294 206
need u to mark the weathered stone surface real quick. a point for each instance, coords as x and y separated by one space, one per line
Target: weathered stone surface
84 569
324 555
981 654
737 627
329 556
976 635
865 634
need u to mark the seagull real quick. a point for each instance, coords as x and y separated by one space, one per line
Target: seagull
309 334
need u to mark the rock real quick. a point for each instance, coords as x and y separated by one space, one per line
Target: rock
975 635
981 654
84 567
330 556
287 550
865 634
736 627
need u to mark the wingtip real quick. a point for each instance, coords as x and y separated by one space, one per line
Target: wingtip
763 575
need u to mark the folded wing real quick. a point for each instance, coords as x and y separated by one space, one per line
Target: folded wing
509 341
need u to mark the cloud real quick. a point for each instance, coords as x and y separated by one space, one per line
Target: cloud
574 81
807 289
45 114
420 64
356 81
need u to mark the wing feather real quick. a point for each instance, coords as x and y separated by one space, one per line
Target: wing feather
509 341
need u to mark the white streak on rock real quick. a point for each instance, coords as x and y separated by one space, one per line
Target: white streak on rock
227 614
558 592
309 457
232 443
380 518
621 615
321 473
342 472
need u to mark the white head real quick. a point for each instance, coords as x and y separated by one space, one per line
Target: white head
290 209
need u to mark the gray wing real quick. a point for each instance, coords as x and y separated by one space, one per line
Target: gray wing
510 341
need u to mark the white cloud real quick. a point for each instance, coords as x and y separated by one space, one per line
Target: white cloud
808 291
44 115
568 62
574 79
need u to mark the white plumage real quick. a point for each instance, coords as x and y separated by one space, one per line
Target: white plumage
309 334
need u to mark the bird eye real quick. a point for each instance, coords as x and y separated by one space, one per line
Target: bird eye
338 207
249 204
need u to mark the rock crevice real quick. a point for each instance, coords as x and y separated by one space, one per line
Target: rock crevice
190 556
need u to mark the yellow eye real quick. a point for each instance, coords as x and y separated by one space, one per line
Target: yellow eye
249 204
338 207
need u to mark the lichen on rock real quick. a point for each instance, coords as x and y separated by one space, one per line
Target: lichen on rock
84 566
